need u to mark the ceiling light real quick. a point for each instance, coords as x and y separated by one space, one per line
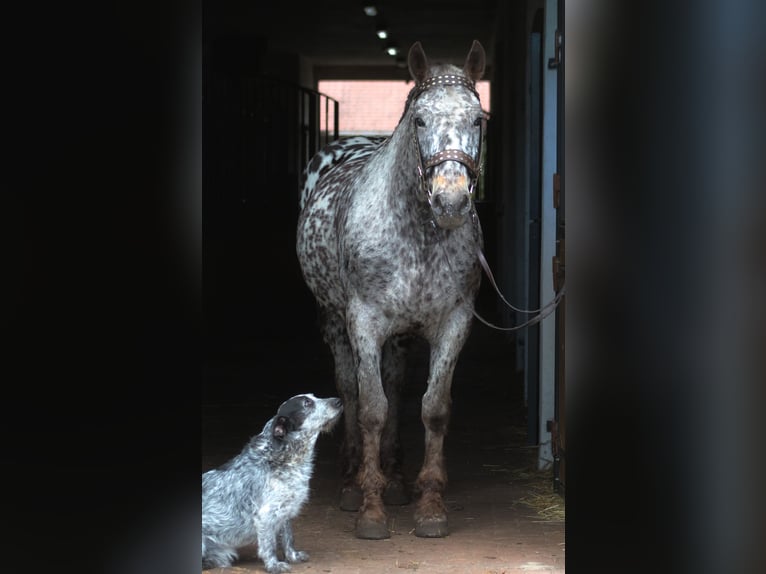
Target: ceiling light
382 33
371 10
392 50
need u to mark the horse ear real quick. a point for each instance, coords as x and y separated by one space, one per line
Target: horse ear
417 62
475 61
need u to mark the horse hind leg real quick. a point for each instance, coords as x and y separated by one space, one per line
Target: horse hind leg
393 365
351 447
334 334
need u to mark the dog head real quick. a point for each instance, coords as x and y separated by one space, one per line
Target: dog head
307 415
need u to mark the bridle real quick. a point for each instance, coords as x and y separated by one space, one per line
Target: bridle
474 165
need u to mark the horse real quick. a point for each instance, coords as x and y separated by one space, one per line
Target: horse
387 241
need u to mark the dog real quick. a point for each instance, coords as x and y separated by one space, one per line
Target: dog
253 497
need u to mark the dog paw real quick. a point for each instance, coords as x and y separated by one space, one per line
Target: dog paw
210 565
277 566
297 556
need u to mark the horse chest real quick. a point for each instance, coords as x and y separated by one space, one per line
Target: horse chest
409 283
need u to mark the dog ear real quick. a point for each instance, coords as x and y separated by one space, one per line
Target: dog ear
281 426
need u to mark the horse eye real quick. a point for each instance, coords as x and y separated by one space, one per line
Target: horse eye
477 121
307 402
419 122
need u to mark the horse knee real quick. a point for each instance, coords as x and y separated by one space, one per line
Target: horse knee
372 414
436 416
437 423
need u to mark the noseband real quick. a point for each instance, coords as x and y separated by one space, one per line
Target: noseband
424 164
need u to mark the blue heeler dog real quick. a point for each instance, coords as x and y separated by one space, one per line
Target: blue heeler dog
253 497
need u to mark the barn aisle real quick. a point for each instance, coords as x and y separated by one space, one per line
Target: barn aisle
495 525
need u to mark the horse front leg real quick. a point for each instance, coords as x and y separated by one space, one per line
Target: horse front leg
372 411
431 513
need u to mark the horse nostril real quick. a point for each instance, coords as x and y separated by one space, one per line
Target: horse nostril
463 205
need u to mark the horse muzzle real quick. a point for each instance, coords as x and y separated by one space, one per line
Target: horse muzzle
450 206
450 188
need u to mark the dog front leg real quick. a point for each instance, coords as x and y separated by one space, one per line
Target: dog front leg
287 541
267 549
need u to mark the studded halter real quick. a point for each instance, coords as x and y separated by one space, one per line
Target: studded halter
424 164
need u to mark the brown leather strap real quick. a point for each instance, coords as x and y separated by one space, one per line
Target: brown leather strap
443 80
451 155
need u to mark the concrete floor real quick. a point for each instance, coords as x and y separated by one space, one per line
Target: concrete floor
492 530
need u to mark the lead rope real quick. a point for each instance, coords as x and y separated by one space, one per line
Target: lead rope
542 312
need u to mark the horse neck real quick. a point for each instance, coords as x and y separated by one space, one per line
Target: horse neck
393 185
402 182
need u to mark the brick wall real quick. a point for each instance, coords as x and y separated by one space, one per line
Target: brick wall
374 107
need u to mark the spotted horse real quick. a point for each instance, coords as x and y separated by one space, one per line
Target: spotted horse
387 241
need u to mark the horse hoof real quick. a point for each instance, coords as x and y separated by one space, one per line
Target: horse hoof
368 529
432 528
351 498
395 494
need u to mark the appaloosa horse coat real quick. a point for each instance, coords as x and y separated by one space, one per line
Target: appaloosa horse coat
387 242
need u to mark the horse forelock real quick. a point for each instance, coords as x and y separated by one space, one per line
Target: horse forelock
436 71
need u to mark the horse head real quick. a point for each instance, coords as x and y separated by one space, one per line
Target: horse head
447 123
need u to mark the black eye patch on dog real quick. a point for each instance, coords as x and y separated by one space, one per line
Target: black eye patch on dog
296 409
